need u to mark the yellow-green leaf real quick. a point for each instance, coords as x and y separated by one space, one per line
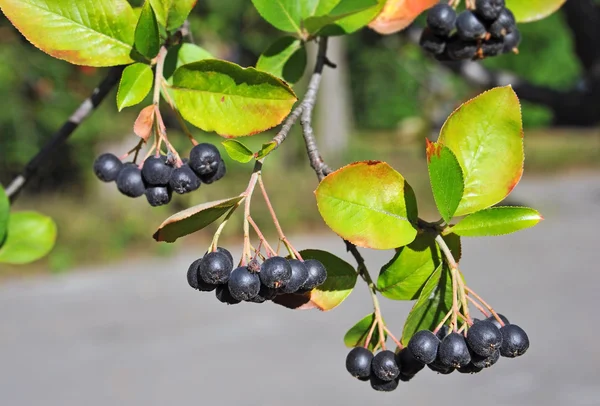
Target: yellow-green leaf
136 83
496 221
285 58
30 237
147 37
532 10
238 151
171 14
82 32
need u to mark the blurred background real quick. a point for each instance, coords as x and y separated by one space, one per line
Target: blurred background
107 317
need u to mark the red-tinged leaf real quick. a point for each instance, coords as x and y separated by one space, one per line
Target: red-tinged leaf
144 122
193 219
399 14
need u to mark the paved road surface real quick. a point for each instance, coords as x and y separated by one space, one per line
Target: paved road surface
135 334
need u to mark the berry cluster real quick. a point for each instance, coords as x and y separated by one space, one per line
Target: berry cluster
489 30
255 282
443 352
159 176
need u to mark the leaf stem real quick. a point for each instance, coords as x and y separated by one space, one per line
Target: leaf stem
483 302
444 320
215 240
261 237
478 306
370 335
158 74
394 339
247 254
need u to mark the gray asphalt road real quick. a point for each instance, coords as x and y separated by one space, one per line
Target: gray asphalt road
135 334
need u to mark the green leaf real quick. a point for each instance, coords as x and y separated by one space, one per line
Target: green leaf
238 151
266 149
446 178
434 303
533 10
171 14
30 237
486 135
342 18
496 221
4 213
82 32
369 204
147 37
183 54
286 15
357 335
223 97
193 219
341 279
285 58
136 83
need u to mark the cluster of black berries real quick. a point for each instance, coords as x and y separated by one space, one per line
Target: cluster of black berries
443 352
489 30
158 177
256 282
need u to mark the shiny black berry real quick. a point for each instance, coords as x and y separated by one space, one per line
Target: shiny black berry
512 41
453 351
489 9
156 172
130 182
298 277
407 363
492 47
384 366
107 167
264 294
383 386
496 322
442 332
432 43
317 274
485 362
440 368
468 26
215 268
470 369
224 251
275 272
458 49
484 338
424 346
514 341
184 180
196 282
243 284
503 25
212 177
224 296
158 195
358 362
441 19
204 159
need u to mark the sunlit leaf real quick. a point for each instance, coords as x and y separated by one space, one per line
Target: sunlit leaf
266 149
30 237
136 83
82 32
171 14
357 335
286 15
147 37
238 151
399 14
533 10
285 58
183 54
446 178
369 204
496 221
342 19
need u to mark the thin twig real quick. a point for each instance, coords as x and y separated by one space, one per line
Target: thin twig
394 339
370 335
261 236
478 306
483 302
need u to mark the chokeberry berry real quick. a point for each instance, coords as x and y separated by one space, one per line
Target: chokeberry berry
407 362
158 195
503 25
432 43
404 377
469 27
383 386
224 296
204 159
196 282
107 167
298 277
275 272
424 346
156 172
512 41
384 366
470 369
514 341
184 180
489 9
215 268
440 368
212 177
243 284
492 47
484 338
496 323
130 182
485 362
441 19
458 49
358 362
442 332
264 294
453 351
317 274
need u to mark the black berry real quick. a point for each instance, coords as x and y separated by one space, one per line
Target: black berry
484 338
442 332
298 277
158 195
215 268
243 284
440 368
496 322
492 47
424 346
275 272
216 175
469 27
485 362
204 159
504 24
384 366
407 363
453 351
514 341
264 294
358 362
441 19
224 251
156 172
130 182
470 369
196 282
489 9
107 167
432 43
458 49
512 41
317 274
383 386
184 180
224 296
